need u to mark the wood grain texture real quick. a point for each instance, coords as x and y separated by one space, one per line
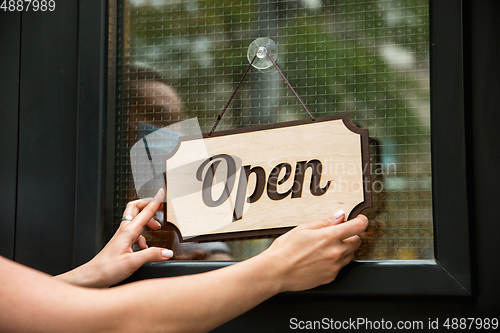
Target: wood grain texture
331 148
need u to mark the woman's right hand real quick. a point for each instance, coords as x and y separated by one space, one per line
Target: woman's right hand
312 254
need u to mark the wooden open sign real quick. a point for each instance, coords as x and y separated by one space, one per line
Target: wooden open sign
265 180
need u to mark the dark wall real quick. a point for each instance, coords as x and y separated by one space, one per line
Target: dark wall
47 138
51 134
10 39
483 84
42 100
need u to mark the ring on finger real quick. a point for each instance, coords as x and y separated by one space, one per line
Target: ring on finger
127 218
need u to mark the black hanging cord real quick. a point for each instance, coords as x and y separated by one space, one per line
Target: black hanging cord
219 117
289 86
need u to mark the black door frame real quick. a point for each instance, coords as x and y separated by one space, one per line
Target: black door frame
449 273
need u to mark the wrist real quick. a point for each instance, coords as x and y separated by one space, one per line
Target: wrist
271 270
83 276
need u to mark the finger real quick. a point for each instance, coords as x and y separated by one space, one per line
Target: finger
153 224
141 241
346 260
337 218
134 207
151 254
148 212
350 228
352 243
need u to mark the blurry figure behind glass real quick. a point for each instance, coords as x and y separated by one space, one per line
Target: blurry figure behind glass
151 103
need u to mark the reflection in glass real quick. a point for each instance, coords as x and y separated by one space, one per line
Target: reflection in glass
183 59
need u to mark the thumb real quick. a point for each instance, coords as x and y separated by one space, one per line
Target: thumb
152 254
337 218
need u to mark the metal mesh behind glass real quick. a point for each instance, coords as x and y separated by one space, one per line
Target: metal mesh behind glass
182 59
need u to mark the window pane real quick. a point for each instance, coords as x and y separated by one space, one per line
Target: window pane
182 59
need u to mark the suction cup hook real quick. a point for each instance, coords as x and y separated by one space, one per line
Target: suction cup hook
259 49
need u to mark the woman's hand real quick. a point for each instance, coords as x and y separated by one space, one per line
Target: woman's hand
312 254
117 261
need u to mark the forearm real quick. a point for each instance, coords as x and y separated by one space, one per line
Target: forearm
198 303
34 301
30 299
195 303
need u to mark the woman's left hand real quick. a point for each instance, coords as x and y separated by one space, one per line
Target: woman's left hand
117 261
